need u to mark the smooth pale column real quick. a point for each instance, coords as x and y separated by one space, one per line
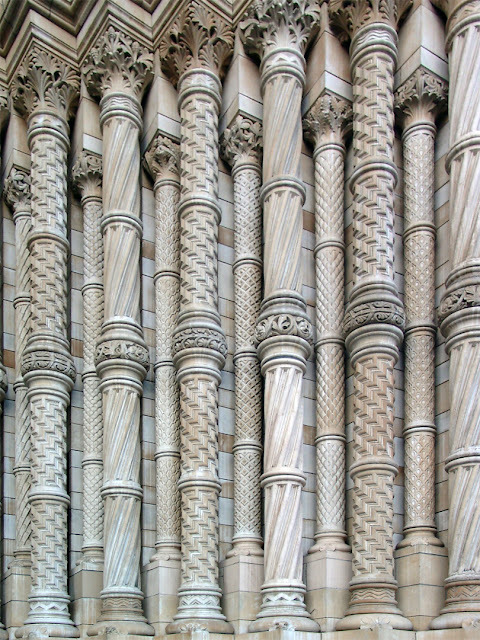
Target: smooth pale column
374 316
284 332
459 315
44 89
117 69
193 55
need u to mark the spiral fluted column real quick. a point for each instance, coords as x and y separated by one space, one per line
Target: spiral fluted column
194 54
44 89
459 315
374 317
117 70
278 33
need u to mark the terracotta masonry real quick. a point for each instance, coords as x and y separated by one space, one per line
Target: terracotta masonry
239 383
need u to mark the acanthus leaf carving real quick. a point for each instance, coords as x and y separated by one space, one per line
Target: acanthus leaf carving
350 15
242 141
87 174
197 40
17 189
162 158
330 114
421 94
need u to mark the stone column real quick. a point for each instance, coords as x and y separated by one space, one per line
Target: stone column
278 33
374 317
87 180
194 54
241 148
117 69
44 89
17 193
162 160
420 557
459 317
329 562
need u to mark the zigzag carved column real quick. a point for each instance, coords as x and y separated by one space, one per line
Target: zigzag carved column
162 160
241 147
278 33
325 125
459 315
118 69
44 89
17 194
417 102
194 55
374 317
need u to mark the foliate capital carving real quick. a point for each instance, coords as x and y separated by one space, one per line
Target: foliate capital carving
378 312
41 360
117 63
272 24
350 15
197 40
87 174
4 106
43 81
242 142
421 95
199 338
162 158
461 298
329 116
284 324
122 350
17 190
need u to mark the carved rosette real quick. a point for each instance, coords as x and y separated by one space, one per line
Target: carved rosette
417 101
162 161
325 125
118 69
241 148
374 317
87 179
44 89
278 33
194 54
459 315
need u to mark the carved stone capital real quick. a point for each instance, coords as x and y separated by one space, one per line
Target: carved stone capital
242 142
197 40
460 14
328 118
420 97
162 158
87 174
284 324
460 298
350 16
199 338
374 312
274 24
44 82
117 63
122 350
17 190
4 106
42 360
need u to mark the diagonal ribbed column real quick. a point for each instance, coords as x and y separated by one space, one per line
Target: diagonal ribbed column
459 315
374 317
194 54
44 89
87 177
278 33
117 69
17 194
241 146
417 102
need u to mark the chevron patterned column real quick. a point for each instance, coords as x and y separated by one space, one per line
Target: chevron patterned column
417 101
325 125
44 89
278 33
17 193
374 317
117 69
194 54
459 315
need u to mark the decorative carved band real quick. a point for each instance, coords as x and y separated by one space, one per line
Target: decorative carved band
378 312
284 324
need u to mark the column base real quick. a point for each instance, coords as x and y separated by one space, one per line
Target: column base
243 577
328 572
372 606
47 630
283 608
421 570
161 581
17 589
462 608
193 626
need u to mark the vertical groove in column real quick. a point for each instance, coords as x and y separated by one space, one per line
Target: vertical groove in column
241 147
459 315
278 33
118 69
374 317
87 177
162 161
45 88
194 55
